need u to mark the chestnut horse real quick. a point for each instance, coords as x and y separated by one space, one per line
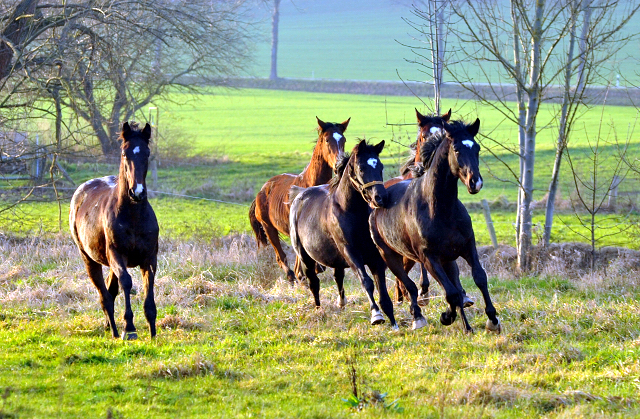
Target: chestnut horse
329 225
114 225
269 212
426 222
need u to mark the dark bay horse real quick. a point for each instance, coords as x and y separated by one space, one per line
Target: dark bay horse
114 225
425 221
269 212
330 226
427 126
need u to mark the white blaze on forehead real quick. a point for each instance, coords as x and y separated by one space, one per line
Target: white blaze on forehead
468 143
139 189
337 136
372 162
433 130
136 150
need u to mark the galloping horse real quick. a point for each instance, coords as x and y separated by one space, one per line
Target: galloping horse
114 225
330 226
427 126
269 212
426 222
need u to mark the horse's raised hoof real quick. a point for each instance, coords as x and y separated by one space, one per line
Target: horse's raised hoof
376 317
342 301
129 336
497 328
446 318
419 323
423 300
467 301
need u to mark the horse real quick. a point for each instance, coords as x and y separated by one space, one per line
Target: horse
425 221
427 126
329 226
269 212
113 224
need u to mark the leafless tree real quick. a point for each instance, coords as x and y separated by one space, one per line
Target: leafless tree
596 172
517 50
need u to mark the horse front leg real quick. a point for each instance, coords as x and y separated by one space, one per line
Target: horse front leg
378 269
453 294
118 265
148 271
357 264
480 278
94 269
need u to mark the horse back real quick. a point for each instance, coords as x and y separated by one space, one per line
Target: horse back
272 202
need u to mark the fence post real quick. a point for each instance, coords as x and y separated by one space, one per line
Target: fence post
487 218
613 193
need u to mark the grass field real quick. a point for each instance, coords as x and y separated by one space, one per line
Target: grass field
243 137
363 40
235 341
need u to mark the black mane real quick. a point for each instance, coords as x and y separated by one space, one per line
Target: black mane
341 165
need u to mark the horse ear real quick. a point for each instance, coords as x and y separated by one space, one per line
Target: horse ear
447 116
126 130
146 132
420 117
321 124
379 147
345 124
474 128
362 143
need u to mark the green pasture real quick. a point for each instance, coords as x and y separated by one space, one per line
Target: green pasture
225 144
365 40
233 341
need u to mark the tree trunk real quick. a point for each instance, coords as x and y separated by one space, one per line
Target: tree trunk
534 93
562 131
274 40
15 32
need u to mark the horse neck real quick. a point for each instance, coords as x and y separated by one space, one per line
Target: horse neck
439 185
317 172
122 191
346 195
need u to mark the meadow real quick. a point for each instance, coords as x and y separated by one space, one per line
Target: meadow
235 340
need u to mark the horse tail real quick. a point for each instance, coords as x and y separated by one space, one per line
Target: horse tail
294 191
258 230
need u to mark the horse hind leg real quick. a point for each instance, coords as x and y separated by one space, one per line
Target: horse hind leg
338 275
281 257
94 269
150 312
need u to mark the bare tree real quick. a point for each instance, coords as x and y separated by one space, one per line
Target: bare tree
521 43
275 21
596 172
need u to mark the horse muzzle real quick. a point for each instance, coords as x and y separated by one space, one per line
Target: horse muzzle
474 184
138 193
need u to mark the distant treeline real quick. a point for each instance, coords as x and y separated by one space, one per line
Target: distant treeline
619 96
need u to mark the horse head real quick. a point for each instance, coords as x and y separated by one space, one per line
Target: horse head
331 140
135 160
429 125
464 154
365 173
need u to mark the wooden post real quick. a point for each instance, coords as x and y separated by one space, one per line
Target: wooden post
613 193
487 218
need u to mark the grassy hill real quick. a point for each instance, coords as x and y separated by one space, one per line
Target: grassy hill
360 40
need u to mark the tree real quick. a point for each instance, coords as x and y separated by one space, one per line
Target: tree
521 43
106 56
275 20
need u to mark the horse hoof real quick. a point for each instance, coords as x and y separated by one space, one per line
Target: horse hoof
419 323
423 300
446 319
395 328
376 317
342 301
497 328
467 301
129 336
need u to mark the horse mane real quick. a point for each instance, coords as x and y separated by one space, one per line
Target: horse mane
408 165
432 144
341 165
